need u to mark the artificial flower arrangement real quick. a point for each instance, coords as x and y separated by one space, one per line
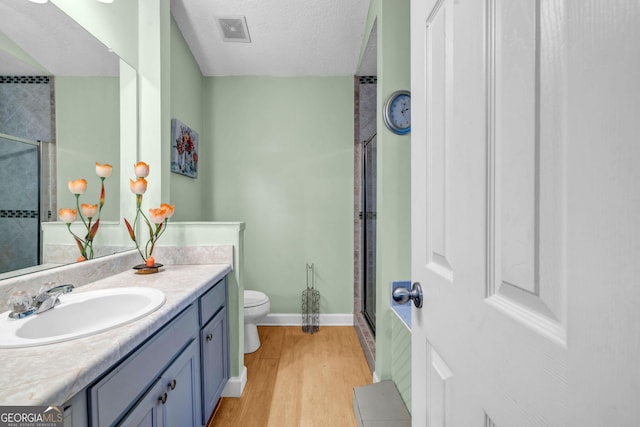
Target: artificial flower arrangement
158 216
88 213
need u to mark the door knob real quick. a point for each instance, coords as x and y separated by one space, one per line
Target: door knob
403 295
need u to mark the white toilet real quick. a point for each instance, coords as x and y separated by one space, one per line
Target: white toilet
256 306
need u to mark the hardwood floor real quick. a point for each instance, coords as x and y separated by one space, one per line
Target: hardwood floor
297 380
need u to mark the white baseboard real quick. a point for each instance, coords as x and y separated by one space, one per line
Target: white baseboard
295 319
375 377
235 385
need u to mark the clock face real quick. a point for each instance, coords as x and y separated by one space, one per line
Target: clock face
400 111
397 114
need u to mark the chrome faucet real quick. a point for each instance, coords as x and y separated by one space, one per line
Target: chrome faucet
48 297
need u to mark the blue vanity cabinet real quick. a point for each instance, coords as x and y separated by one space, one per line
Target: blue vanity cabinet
148 411
173 378
214 347
182 384
137 385
172 400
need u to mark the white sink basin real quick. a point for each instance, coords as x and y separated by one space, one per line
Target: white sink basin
79 315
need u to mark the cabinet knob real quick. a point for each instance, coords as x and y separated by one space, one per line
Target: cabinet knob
172 384
209 336
163 398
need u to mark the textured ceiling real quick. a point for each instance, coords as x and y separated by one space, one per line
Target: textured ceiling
288 38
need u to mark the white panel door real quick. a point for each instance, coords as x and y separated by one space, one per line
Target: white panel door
502 209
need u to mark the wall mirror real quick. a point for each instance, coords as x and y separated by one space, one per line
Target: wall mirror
53 127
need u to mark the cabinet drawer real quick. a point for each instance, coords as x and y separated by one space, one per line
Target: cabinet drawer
213 300
117 391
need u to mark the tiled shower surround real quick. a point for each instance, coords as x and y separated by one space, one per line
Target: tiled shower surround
19 225
365 117
25 113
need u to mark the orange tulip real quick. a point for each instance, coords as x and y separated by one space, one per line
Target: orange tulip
169 209
103 171
157 215
67 215
79 186
141 169
81 258
150 262
139 186
89 210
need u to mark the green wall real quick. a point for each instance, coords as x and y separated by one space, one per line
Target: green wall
282 161
186 105
88 131
393 243
401 358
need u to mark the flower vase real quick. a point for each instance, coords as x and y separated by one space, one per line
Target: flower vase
145 269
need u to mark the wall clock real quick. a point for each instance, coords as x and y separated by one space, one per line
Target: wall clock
397 112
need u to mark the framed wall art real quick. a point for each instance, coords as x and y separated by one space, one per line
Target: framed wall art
184 149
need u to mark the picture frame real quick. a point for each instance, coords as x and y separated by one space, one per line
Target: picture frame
184 149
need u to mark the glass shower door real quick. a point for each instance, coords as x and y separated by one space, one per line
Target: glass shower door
369 232
19 203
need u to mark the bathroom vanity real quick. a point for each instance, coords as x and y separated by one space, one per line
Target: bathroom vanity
167 368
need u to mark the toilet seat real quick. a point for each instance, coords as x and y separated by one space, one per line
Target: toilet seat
254 298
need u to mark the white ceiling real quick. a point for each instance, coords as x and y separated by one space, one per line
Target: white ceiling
52 38
288 38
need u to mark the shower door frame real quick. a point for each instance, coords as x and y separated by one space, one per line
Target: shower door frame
368 217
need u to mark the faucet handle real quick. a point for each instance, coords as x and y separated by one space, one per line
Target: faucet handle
21 305
46 287
43 292
19 301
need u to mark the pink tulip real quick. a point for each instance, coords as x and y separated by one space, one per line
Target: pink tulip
103 171
89 210
67 215
79 186
141 169
139 186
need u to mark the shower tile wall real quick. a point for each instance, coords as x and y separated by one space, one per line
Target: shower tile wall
365 113
25 112
25 107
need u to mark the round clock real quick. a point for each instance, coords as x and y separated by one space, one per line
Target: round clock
397 112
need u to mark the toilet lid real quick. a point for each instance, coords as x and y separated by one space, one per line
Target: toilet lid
253 298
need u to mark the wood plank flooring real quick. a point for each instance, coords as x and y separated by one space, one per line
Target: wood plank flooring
298 380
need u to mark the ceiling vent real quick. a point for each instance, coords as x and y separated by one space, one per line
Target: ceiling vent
233 29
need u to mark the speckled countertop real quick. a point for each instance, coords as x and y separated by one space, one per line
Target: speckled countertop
51 374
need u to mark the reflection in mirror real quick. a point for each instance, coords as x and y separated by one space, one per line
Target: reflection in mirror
59 114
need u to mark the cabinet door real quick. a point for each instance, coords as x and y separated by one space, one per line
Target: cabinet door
148 410
215 362
115 394
181 382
